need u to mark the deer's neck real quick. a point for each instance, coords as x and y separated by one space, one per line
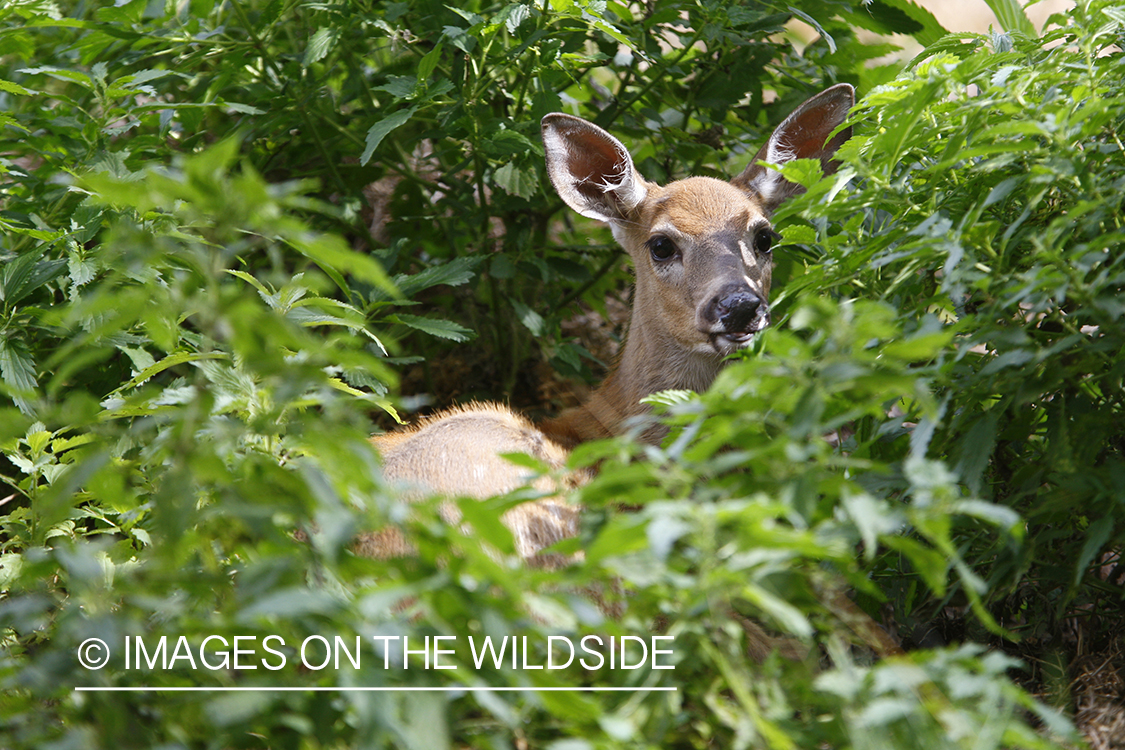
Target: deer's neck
651 362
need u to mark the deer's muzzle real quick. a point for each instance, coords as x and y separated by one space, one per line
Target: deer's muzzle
733 316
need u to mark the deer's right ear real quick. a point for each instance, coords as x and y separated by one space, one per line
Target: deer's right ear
591 170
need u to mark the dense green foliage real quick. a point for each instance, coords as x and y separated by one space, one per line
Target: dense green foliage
230 229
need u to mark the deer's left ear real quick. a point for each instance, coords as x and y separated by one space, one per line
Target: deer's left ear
803 135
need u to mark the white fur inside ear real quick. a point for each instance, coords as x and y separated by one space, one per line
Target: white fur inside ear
630 192
779 152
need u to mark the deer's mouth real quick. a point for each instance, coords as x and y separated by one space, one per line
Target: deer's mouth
729 342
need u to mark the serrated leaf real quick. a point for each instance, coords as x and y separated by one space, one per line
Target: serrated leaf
445 329
805 172
15 88
320 45
347 316
245 109
400 87
1012 17
170 361
454 273
506 142
27 273
61 74
459 38
517 181
377 132
931 29
142 77
262 290
669 397
514 15
82 271
331 252
956 43
17 368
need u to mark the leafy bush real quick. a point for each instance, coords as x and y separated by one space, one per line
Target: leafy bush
984 205
203 313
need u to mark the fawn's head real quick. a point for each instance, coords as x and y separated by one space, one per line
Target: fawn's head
701 246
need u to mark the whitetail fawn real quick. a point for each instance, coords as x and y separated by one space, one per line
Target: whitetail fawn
701 248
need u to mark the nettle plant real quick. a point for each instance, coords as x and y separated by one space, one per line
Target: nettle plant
983 203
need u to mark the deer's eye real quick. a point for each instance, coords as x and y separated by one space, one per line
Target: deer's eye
763 241
661 248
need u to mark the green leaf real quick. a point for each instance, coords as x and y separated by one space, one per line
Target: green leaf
816 25
400 87
332 252
468 15
27 273
135 80
514 15
429 62
804 172
244 109
170 361
61 74
502 267
320 45
445 329
930 564
15 88
262 290
956 43
17 368
930 29
531 320
669 397
976 450
1012 17
453 273
517 181
872 517
789 618
377 132
1097 534
289 603
342 314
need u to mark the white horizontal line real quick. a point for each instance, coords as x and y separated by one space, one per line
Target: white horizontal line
322 689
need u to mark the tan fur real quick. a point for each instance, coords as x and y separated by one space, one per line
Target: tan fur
689 312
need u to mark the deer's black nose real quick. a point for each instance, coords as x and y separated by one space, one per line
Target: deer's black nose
738 310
